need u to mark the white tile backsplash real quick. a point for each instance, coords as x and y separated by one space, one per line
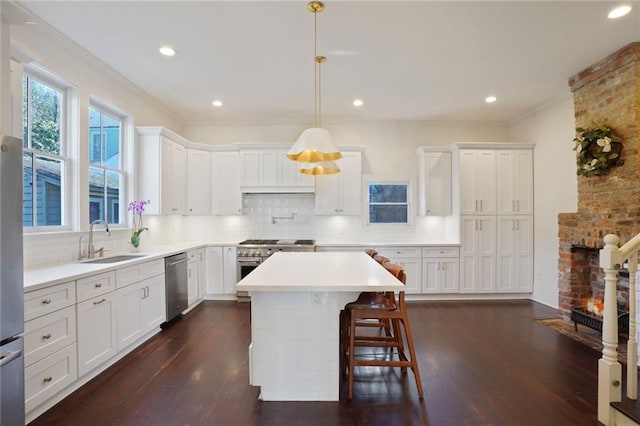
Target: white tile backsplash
255 222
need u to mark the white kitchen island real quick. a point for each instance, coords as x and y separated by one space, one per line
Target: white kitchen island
296 299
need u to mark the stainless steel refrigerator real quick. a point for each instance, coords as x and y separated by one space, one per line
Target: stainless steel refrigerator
11 284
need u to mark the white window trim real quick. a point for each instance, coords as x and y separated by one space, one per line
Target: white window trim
125 143
65 88
409 203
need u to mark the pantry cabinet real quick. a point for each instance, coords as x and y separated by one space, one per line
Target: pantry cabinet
161 170
514 171
514 254
341 193
477 181
478 254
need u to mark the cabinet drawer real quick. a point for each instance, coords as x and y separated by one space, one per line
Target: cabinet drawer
135 273
48 334
440 251
399 252
49 376
47 300
195 255
95 285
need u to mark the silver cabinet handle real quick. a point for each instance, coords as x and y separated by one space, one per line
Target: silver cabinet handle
98 285
46 301
46 336
480 205
517 205
100 301
518 224
480 223
8 357
476 208
47 379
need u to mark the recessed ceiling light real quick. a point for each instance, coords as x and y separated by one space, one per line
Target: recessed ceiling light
358 103
167 51
490 99
619 11
216 103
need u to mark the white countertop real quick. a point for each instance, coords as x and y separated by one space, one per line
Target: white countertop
319 271
47 275
385 244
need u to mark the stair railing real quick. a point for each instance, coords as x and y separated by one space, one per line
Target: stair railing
612 258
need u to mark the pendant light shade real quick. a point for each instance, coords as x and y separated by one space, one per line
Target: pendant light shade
320 168
314 145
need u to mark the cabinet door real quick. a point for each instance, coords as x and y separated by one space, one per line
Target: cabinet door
515 254
435 184
97 335
154 304
198 182
215 283
441 275
130 325
341 193
249 167
413 269
515 181
193 278
478 181
268 173
226 195
165 175
178 179
288 170
477 254
230 270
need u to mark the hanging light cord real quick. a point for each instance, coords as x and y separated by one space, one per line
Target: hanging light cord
316 7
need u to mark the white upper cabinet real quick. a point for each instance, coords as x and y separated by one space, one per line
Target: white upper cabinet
198 182
161 170
341 194
435 189
226 196
477 181
269 170
515 181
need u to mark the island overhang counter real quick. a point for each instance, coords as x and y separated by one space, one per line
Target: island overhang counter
296 299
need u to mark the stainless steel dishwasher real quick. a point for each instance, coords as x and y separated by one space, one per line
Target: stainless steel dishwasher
175 269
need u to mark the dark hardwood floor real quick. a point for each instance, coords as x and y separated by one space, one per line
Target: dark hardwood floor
482 363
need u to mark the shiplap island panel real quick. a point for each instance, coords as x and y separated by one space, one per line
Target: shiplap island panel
296 300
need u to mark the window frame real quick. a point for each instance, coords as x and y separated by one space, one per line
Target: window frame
408 204
45 78
122 171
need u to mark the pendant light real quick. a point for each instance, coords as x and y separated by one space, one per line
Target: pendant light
314 146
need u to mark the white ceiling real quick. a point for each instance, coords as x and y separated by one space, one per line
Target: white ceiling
417 60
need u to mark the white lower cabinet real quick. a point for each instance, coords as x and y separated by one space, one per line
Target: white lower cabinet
50 375
229 270
196 276
515 254
410 258
440 269
214 268
48 334
97 331
141 308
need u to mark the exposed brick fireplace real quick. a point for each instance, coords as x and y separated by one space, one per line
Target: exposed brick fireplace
607 92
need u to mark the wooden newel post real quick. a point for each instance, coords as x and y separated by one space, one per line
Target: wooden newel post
609 369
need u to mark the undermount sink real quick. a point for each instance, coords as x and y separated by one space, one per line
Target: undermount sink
113 259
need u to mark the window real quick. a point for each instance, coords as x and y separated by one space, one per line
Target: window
44 160
105 165
389 203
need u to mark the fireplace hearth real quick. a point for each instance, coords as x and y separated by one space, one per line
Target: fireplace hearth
593 321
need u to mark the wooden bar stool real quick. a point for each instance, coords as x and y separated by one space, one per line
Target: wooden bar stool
371 252
385 307
380 259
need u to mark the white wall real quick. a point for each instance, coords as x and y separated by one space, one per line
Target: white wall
49 49
552 129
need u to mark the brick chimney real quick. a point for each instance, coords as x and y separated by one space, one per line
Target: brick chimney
607 92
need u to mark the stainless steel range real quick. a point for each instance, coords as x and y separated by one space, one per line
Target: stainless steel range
252 253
